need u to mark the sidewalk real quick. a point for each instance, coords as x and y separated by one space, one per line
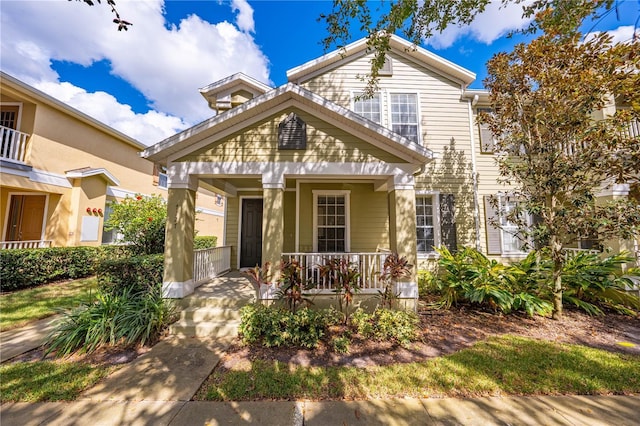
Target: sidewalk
21 340
570 410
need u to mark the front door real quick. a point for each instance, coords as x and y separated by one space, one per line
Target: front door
26 213
251 233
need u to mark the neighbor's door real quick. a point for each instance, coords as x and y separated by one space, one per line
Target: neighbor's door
251 233
26 213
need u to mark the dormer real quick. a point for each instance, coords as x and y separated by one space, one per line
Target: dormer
232 91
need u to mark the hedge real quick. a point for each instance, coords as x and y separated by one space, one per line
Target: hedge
140 272
25 268
204 242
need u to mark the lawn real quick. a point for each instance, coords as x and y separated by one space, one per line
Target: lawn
23 306
48 380
505 365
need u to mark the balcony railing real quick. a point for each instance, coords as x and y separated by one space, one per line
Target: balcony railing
13 245
13 144
210 263
369 265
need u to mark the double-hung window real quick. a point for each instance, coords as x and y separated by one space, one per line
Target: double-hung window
425 224
331 219
369 108
505 238
404 114
511 240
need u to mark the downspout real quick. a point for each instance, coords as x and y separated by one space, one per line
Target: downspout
476 203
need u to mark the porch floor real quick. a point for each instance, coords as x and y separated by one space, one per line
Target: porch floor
233 288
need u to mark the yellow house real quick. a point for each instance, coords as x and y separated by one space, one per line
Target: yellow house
311 170
60 168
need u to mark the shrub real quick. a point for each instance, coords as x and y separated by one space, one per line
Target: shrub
127 318
204 242
340 344
280 327
426 283
31 267
386 324
139 273
141 222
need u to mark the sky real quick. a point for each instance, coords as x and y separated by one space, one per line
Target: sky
144 82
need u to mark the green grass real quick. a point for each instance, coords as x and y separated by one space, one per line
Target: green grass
504 365
47 380
23 306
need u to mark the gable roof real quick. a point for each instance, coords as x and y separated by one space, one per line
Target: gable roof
286 96
331 60
238 81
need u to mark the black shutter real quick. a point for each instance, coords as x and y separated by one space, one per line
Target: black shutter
448 232
292 133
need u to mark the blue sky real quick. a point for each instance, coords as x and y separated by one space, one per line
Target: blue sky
144 82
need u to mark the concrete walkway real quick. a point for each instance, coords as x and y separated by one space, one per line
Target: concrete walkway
157 388
21 340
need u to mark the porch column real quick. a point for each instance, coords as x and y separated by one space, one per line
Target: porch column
402 232
273 224
178 248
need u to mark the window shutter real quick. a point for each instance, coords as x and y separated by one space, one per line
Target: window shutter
156 174
448 222
487 144
494 235
292 133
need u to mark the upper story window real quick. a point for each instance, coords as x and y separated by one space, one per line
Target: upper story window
160 177
404 114
487 139
368 108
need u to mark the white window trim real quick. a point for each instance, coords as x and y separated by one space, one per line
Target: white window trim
347 212
418 111
437 240
355 93
501 197
20 108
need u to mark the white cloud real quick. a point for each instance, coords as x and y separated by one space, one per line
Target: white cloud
493 23
620 35
166 63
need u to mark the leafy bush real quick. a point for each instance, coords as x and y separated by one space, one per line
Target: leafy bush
386 324
592 283
470 276
204 242
141 221
280 327
31 267
128 317
140 273
341 344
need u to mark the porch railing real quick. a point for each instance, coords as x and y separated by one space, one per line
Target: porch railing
570 253
13 245
369 265
210 263
13 144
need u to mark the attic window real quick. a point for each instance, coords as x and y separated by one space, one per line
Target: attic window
387 67
292 133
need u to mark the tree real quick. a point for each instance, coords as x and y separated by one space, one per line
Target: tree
141 221
419 20
552 150
122 24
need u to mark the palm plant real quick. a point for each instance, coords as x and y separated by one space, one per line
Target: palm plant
393 269
292 284
344 277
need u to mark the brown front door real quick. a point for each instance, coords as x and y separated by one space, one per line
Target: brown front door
25 217
251 233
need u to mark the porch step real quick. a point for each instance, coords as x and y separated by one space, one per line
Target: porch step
204 314
194 301
187 328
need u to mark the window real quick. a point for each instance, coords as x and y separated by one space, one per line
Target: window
163 180
511 242
110 236
368 108
331 221
425 224
404 114
505 239
160 177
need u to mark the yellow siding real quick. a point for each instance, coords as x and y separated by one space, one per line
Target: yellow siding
259 143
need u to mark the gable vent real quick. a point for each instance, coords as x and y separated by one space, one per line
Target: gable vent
292 133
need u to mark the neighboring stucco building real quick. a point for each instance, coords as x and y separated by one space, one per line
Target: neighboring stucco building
312 170
60 168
